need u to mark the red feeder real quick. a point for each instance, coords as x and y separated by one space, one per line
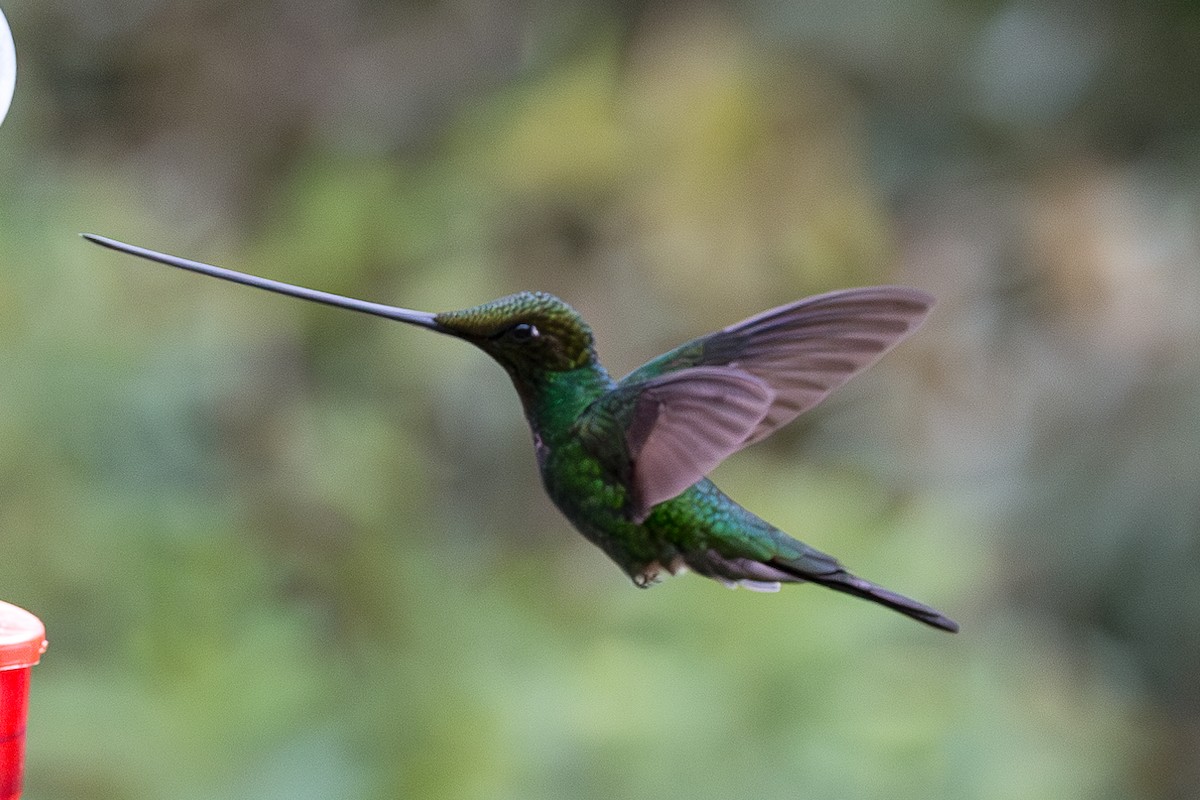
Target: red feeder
22 642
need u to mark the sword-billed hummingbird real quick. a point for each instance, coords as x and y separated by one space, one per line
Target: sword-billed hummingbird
625 461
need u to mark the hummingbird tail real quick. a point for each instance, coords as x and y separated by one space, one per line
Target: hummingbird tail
842 581
805 564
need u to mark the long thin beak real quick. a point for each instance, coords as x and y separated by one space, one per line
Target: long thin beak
422 318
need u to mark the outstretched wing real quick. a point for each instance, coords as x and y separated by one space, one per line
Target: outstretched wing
802 350
669 422
660 436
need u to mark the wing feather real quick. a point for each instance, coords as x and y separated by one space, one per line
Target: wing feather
677 428
669 422
803 350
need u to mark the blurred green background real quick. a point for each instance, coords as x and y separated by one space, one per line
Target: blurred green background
284 551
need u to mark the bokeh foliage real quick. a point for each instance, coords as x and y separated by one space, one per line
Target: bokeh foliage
284 551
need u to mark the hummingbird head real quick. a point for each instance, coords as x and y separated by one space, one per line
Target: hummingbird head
528 333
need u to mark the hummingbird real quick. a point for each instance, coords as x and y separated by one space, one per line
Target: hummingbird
625 461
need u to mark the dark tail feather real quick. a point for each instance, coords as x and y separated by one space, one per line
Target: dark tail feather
813 566
851 584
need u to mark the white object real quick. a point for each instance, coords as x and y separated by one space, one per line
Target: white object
8 67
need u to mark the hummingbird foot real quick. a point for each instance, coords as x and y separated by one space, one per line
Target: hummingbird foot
651 574
647 577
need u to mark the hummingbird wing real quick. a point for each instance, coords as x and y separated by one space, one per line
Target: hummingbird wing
668 423
802 350
660 436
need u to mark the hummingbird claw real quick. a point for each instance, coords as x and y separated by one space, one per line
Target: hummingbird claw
647 577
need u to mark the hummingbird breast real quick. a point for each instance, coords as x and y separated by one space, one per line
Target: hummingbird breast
595 501
596 506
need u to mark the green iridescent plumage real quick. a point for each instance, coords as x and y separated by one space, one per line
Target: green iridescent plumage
625 460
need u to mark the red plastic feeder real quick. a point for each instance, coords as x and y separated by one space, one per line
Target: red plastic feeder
22 642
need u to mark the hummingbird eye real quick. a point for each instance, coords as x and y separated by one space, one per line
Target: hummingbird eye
523 332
